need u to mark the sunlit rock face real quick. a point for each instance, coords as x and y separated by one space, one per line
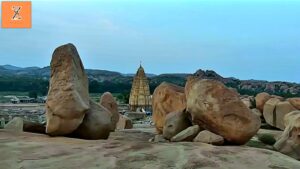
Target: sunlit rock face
218 109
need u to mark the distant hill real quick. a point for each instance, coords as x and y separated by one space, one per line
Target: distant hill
35 78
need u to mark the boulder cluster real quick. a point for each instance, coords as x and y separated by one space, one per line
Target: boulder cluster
69 109
205 110
282 114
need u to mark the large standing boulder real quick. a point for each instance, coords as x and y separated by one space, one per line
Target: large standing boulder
107 100
175 123
218 109
261 99
96 123
295 102
289 142
166 98
275 110
68 97
269 112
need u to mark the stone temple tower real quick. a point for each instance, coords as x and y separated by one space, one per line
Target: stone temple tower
140 91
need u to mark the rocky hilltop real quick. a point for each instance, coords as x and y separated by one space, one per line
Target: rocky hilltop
118 80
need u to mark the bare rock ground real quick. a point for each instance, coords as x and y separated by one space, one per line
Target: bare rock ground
130 149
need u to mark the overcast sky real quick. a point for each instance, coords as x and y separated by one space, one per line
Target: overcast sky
243 39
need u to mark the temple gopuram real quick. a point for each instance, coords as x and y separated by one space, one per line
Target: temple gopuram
140 91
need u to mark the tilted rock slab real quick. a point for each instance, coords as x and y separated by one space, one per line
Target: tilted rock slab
166 98
218 109
96 123
209 138
68 97
107 100
186 135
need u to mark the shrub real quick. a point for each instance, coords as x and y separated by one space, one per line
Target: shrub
267 139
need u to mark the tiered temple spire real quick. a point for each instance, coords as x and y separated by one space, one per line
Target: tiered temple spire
140 91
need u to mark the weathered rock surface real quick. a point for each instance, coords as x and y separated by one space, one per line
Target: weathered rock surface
216 108
186 135
209 138
96 123
261 99
130 149
68 97
166 98
282 108
16 125
107 100
190 81
124 123
295 102
289 142
175 123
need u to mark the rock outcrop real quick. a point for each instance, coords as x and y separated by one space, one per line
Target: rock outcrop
261 99
175 123
96 123
130 150
218 109
166 98
68 97
289 142
209 138
107 100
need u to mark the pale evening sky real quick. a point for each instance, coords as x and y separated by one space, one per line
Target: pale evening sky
246 39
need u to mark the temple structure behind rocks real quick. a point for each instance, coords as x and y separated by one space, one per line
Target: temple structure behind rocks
140 91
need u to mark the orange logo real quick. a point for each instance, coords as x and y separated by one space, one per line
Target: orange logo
16 14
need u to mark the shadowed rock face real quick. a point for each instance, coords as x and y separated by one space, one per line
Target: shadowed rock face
68 97
130 149
175 122
166 98
107 100
219 110
96 123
